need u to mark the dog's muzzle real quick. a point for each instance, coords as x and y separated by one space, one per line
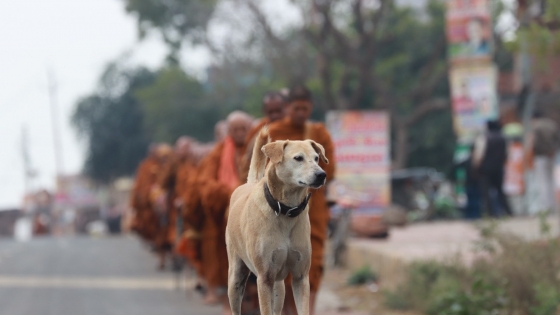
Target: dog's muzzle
320 178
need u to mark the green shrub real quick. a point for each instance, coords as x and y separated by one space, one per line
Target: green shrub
548 300
396 300
362 276
483 298
511 276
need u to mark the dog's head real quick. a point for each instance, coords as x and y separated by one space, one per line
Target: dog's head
297 162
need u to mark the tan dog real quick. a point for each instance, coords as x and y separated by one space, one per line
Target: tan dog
268 230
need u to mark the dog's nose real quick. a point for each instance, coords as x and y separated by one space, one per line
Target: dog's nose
320 176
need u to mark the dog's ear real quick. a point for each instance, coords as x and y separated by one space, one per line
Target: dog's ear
320 150
275 151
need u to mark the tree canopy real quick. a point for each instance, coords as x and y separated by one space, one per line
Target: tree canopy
111 120
175 105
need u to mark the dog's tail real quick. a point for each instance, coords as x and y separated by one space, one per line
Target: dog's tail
258 159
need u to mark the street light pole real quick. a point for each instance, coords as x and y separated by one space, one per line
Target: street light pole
53 89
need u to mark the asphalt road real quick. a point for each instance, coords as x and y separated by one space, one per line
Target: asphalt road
83 276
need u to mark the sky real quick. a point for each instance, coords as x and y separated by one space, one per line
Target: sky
75 40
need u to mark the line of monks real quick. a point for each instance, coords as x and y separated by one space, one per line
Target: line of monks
181 194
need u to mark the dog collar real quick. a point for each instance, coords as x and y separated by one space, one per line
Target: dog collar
280 208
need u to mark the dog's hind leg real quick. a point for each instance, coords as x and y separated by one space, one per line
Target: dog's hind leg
279 294
237 279
300 286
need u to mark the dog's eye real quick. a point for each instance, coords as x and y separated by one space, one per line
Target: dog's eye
316 159
299 158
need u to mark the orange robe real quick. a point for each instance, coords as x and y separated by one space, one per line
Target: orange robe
146 176
173 181
193 213
186 171
215 197
318 209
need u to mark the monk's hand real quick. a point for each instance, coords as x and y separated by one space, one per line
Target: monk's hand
160 202
178 203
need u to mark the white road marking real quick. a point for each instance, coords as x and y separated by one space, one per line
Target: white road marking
110 283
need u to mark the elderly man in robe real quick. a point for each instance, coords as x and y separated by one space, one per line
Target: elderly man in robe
168 192
296 126
219 176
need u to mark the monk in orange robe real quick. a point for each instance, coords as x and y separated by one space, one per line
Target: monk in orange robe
140 196
193 217
219 176
296 126
156 219
193 213
168 192
273 110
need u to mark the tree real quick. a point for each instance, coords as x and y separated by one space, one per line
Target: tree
176 20
175 105
383 57
111 120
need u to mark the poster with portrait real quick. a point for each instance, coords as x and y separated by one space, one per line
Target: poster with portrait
469 30
361 140
474 99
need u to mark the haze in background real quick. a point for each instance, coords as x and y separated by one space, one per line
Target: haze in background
75 39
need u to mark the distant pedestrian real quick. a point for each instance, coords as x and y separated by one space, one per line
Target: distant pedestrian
545 142
489 160
472 187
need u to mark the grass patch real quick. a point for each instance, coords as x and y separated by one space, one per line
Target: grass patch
511 276
362 276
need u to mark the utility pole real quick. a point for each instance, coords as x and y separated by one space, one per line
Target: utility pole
27 168
53 89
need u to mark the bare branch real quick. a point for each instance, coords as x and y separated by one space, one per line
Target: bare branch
263 21
357 10
328 27
378 16
324 64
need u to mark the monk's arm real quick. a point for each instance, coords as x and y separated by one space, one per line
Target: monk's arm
166 178
215 195
192 212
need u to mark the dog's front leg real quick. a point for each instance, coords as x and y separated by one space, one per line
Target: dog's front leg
266 284
279 294
237 279
300 286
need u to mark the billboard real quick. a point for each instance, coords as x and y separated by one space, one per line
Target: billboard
363 162
469 30
474 99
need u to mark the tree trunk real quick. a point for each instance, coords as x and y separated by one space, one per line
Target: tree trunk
401 145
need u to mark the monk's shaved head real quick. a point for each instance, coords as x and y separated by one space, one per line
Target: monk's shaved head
300 105
239 117
163 152
239 123
273 106
183 146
